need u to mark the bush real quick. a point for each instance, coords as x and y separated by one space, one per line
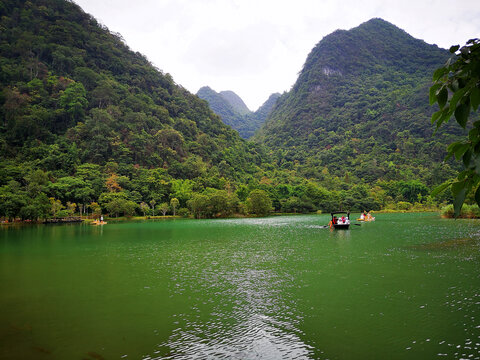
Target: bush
183 212
213 204
468 212
404 205
259 203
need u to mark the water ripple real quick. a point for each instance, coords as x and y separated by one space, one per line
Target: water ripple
255 320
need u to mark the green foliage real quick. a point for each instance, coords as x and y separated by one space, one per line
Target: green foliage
259 203
213 203
358 111
174 204
118 206
456 90
467 211
74 101
163 208
85 97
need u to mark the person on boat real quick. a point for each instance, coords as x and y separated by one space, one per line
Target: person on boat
335 220
343 219
362 217
101 218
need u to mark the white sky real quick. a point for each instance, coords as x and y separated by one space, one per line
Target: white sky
257 47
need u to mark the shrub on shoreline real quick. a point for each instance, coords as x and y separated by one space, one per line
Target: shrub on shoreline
468 212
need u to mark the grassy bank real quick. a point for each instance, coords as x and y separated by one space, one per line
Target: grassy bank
468 212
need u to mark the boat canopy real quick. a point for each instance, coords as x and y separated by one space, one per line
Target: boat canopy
341 212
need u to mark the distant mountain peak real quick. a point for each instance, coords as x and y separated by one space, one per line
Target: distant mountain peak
233 111
236 101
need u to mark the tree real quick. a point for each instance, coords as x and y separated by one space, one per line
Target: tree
456 90
152 204
144 207
259 203
56 206
198 204
163 208
174 203
120 205
112 184
41 205
71 207
74 100
96 209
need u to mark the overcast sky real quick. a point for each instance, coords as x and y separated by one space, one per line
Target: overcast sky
257 47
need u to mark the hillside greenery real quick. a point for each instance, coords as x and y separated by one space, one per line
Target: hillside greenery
360 111
89 126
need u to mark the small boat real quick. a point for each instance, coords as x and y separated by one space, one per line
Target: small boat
99 222
337 223
367 217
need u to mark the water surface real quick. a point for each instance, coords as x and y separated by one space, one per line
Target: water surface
405 286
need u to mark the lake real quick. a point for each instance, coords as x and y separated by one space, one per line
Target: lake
404 286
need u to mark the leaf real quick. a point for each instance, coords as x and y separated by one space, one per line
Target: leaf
457 187
436 115
454 48
458 201
475 98
433 93
460 150
467 157
452 146
477 196
473 134
456 97
441 188
446 114
439 73
442 96
461 114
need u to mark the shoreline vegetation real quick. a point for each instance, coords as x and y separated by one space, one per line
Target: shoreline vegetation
467 212
447 212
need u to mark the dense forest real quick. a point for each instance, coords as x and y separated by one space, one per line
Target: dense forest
233 111
89 126
360 110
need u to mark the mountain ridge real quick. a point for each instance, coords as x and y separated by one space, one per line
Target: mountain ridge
233 111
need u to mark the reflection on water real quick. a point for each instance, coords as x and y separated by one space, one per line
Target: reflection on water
406 286
249 315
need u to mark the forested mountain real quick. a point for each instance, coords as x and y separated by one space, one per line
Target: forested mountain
80 107
233 111
88 124
360 111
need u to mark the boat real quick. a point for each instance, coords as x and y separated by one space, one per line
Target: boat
368 217
99 222
337 223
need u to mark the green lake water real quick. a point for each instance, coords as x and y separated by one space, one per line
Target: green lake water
404 286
